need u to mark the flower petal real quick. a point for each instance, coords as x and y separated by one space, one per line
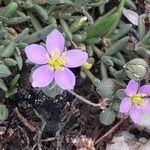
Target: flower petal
75 58
146 105
36 54
132 16
65 79
131 88
145 89
125 105
42 76
135 114
55 42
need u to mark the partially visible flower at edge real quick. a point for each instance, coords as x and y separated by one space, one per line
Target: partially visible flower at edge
137 100
54 63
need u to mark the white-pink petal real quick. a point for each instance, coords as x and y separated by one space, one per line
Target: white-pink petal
145 89
37 54
55 42
145 107
42 76
75 58
135 114
125 105
65 79
132 88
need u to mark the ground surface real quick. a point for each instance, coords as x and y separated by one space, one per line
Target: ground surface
39 122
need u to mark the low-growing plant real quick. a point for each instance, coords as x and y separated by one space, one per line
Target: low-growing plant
102 44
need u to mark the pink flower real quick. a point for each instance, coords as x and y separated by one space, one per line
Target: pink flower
137 100
54 62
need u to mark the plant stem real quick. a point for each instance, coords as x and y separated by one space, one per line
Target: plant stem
85 100
91 77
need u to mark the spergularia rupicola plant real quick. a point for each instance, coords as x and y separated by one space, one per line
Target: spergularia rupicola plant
137 100
54 62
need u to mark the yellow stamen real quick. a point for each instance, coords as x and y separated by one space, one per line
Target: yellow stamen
57 61
137 99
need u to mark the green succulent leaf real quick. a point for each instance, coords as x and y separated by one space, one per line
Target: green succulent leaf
39 35
2 85
3 113
18 58
10 93
106 24
9 49
9 9
120 93
14 81
115 105
4 71
52 2
107 117
10 62
117 46
52 90
130 4
106 88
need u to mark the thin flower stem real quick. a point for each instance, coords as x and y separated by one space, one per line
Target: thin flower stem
85 100
74 44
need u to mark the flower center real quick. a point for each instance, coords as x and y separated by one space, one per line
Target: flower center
137 99
56 63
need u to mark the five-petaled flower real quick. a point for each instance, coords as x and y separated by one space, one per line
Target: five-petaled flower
54 62
137 100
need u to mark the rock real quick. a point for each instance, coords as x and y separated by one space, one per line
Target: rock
118 142
146 146
127 136
143 140
127 141
145 121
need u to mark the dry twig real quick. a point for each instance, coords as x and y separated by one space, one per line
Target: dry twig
25 121
26 136
48 139
110 131
68 111
38 136
39 133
